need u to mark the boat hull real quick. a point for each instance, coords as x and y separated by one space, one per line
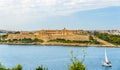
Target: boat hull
107 64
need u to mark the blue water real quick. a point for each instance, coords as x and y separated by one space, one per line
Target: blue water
56 57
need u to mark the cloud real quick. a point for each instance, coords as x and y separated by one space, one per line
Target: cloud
21 11
17 13
44 8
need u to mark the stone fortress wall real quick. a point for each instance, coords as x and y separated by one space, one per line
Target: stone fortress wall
52 34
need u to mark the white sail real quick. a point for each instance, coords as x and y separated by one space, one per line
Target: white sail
106 62
106 58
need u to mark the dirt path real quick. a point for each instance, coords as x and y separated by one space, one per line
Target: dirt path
104 42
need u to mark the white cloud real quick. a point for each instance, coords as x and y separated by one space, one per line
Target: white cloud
20 11
45 8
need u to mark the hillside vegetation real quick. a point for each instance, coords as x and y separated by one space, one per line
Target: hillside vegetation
114 39
90 41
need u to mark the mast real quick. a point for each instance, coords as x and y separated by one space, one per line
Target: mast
106 58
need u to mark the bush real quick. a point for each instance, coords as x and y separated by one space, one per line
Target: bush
41 68
92 41
2 67
77 64
18 67
26 40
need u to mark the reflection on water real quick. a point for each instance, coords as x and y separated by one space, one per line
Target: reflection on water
56 57
107 68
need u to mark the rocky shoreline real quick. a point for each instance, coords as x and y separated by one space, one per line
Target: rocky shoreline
61 44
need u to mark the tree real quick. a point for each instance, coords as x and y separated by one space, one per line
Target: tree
18 32
4 37
91 38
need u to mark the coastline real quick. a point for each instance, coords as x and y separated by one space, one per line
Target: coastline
62 44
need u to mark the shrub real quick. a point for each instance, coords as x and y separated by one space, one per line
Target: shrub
18 67
41 68
2 67
77 64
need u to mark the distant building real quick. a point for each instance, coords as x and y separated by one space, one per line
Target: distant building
113 32
3 33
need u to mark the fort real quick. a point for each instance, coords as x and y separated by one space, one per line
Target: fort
60 32
51 34
54 37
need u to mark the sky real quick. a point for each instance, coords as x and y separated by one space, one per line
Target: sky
57 14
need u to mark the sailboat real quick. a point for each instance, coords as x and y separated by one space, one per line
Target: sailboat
106 63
